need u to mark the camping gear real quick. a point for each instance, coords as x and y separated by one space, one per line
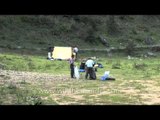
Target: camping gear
81 70
62 53
76 72
82 67
105 76
100 65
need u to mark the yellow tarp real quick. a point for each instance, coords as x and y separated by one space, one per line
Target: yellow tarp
62 52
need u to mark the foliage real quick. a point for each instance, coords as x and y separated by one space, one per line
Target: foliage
112 26
37 31
130 47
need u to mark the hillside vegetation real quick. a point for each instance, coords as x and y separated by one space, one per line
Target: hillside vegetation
36 32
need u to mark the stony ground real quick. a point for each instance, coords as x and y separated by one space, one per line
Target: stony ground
64 90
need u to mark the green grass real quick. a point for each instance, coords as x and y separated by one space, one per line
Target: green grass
32 63
128 77
25 95
123 68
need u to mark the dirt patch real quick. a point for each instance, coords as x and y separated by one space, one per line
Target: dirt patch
129 91
147 91
32 76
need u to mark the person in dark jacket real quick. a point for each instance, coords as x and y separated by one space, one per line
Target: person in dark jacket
71 61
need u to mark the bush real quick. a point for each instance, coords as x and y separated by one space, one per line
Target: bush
130 47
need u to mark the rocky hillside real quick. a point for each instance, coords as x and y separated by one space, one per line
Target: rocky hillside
36 32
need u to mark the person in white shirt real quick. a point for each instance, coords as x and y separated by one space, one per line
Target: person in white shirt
89 69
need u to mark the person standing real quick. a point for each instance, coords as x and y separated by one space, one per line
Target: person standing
71 61
50 53
89 69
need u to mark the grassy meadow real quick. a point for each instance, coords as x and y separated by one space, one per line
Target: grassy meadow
34 80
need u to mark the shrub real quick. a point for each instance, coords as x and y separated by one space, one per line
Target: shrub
130 47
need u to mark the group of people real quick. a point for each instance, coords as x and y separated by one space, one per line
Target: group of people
88 67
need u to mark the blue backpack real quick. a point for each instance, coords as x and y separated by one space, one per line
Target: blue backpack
104 77
100 65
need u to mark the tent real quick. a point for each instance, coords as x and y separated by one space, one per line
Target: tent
62 52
